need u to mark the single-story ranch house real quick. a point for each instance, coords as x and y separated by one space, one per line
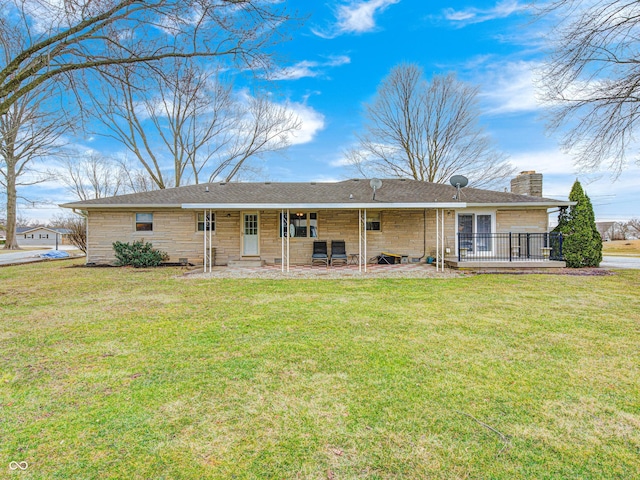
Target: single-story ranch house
278 223
41 236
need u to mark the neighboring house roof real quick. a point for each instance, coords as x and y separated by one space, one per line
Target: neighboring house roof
25 230
395 193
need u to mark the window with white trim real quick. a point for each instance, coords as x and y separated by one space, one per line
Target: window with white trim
144 222
475 231
374 222
211 221
301 224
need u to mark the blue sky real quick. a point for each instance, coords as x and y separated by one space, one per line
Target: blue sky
336 60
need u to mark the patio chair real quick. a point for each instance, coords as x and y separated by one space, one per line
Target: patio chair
319 255
338 252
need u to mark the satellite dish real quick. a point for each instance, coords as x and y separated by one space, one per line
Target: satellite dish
458 181
375 183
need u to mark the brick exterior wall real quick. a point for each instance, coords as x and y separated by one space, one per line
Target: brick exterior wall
527 183
405 232
522 221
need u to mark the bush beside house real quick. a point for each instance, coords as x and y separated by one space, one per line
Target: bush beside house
138 254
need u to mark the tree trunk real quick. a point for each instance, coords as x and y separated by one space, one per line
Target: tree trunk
11 243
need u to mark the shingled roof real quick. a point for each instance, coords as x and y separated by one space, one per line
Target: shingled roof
355 193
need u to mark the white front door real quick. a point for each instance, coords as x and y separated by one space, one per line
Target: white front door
250 243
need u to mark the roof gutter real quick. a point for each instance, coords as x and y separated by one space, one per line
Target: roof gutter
86 206
317 206
559 203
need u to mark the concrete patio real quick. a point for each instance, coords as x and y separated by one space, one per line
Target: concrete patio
416 270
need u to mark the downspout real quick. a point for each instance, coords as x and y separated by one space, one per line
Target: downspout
204 241
424 235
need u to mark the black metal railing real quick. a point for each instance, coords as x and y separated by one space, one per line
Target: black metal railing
509 247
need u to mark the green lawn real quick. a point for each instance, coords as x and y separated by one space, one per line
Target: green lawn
622 247
143 374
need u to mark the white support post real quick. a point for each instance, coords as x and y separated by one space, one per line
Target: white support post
211 261
288 235
207 226
443 237
437 239
365 240
204 242
360 240
282 229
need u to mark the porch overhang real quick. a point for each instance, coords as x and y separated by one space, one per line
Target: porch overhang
521 205
321 206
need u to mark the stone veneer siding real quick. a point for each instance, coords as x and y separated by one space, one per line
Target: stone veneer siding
174 231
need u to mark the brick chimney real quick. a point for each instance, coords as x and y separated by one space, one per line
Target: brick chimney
527 183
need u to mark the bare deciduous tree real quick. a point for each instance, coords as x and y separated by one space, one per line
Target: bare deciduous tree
183 123
93 176
77 235
260 126
52 38
427 131
633 226
29 131
617 231
591 80
77 229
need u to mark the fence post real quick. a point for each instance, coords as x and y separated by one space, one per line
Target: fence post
561 237
510 248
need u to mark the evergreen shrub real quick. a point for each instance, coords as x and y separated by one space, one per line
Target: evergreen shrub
138 254
582 246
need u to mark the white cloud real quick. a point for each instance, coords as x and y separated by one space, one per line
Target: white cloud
342 161
326 179
471 15
509 88
547 162
307 68
312 123
357 16
611 199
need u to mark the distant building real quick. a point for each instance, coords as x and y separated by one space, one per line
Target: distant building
605 229
41 236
